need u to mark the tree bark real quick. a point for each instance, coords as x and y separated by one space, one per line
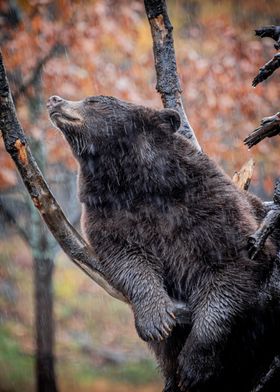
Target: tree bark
267 70
269 224
45 361
168 83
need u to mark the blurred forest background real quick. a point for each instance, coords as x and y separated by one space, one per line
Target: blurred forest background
79 48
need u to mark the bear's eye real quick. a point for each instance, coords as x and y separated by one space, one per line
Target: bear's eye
91 100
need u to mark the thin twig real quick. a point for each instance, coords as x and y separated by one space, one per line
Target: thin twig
168 84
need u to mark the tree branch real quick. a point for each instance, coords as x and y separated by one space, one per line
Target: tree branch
168 84
68 238
267 70
270 126
269 224
271 32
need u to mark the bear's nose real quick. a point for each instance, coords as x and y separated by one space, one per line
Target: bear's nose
54 100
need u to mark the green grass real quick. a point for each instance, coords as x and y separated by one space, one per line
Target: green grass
139 373
136 373
16 368
81 311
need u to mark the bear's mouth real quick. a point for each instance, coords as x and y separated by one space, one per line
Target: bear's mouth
64 116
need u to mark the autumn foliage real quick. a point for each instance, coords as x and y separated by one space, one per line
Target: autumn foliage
96 47
105 48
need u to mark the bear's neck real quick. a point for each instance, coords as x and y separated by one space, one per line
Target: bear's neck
113 177
103 180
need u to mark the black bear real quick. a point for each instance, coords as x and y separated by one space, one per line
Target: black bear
167 225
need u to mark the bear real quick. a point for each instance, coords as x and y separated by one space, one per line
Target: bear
168 227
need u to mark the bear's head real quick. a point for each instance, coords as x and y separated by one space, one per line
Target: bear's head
102 120
123 149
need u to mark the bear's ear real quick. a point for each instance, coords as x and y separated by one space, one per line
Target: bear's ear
170 118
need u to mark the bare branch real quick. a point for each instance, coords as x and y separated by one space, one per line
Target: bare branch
271 32
269 224
267 70
270 126
168 84
242 179
68 238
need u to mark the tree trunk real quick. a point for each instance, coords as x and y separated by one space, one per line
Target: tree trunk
45 373
43 256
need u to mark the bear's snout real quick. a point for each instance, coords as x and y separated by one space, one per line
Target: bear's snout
54 101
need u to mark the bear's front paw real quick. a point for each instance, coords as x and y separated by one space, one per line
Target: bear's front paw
154 320
196 366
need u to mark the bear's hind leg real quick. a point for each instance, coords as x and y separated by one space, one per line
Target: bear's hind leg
167 352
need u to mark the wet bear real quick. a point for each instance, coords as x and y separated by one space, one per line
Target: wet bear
168 225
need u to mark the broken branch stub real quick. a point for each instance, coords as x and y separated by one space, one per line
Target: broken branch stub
267 70
242 179
168 84
270 126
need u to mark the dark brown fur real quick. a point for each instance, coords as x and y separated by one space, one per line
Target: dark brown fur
167 224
